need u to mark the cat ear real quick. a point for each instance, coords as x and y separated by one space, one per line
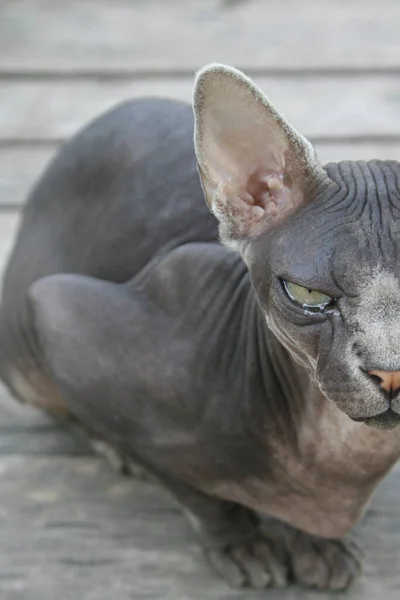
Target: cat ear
255 167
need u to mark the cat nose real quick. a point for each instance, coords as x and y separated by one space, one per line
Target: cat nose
388 380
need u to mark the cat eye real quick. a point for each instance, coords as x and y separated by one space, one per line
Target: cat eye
306 297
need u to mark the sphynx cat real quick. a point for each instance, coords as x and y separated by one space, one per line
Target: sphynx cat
245 350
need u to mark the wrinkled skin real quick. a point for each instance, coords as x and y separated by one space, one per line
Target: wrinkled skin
122 309
346 242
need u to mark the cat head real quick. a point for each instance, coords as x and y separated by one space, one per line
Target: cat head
321 243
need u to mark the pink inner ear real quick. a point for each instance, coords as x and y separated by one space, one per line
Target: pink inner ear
263 188
264 200
271 193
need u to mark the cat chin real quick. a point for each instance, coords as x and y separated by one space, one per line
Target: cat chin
386 420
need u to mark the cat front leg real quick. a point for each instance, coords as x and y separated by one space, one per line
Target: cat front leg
231 538
248 551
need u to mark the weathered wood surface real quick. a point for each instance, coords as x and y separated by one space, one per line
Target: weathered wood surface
320 107
70 528
37 35
8 227
35 117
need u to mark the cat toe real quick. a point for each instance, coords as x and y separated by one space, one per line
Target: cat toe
325 564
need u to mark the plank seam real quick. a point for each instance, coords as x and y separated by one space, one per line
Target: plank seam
21 142
50 74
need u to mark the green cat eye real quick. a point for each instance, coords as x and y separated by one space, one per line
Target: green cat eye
306 297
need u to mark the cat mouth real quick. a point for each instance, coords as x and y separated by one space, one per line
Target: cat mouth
386 420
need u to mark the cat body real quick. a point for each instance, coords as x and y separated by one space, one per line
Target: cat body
259 375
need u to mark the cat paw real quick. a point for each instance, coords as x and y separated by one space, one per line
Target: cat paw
324 564
315 562
293 557
254 564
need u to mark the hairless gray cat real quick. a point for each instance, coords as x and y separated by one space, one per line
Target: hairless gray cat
254 377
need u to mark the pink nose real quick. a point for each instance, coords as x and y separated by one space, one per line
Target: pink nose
389 380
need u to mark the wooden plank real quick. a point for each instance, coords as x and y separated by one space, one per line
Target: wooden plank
16 416
317 106
42 440
25 430
21 165
74 524
8 227
143 35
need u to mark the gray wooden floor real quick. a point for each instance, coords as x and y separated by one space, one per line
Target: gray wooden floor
70 528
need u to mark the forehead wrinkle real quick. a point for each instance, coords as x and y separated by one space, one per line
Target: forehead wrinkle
348 171
378 203
386 228
343 206
373 189
333 202
393 191
371 214
377 198
327 212
375 181
367 189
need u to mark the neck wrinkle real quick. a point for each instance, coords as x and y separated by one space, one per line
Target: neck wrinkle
282 386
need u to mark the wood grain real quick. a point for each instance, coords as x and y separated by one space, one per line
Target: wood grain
320 107
176 34
8 227
70 524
